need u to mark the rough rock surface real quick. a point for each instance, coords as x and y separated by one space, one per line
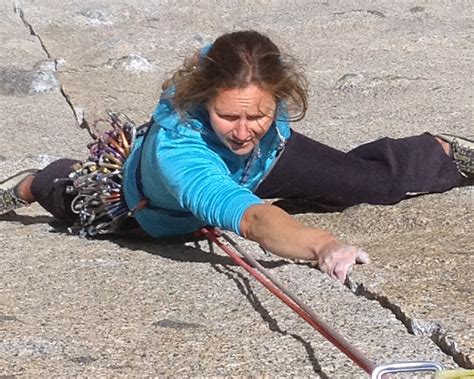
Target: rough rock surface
134 307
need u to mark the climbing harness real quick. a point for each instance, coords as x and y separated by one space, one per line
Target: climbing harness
97 183
254 268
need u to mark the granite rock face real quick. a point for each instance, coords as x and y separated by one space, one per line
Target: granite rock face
130 306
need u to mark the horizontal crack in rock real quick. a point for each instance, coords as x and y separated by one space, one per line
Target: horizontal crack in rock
434 330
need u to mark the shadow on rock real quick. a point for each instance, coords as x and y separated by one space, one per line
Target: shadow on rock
26 220
245 288
305 206
182 249
176 248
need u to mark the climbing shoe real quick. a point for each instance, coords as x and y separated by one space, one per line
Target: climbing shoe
9 201
462 153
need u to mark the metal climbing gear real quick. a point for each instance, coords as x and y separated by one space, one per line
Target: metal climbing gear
416 366
97 183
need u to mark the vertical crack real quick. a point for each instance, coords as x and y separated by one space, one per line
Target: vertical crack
434 330
17 9
77 112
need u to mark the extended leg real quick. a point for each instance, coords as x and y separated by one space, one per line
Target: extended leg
48 187
381 172
49 190
23 189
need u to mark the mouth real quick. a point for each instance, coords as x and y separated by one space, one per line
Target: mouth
239 144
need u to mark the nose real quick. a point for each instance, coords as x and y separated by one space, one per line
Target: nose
241 131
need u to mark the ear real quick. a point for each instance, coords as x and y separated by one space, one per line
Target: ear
208 105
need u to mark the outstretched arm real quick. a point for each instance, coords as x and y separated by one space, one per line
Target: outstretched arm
277 231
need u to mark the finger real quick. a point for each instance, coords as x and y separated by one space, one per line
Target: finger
324 268
362 257
340 271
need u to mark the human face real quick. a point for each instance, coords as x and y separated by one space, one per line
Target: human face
241 117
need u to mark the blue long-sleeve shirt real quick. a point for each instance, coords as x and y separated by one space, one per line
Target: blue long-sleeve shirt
190 178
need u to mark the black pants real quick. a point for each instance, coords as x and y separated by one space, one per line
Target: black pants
380 172
49 190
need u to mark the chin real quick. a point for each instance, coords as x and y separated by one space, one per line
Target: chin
242 151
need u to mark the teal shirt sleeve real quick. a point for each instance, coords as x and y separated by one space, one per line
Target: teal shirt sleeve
196 176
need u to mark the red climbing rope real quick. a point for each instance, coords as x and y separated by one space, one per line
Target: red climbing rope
275 287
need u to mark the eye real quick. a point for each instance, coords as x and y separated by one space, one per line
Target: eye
255 118
228 117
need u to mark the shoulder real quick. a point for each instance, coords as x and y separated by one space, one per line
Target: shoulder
282 121
167 117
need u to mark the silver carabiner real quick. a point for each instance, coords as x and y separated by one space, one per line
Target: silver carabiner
392 368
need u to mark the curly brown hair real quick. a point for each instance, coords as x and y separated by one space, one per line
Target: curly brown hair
236 60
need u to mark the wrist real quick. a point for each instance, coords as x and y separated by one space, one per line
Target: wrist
324 241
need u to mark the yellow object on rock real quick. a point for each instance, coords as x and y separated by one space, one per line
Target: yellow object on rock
454 374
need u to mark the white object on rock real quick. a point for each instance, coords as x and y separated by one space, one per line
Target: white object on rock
44 81
131 62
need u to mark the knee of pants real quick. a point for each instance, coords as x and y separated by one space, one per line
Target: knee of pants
51 194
